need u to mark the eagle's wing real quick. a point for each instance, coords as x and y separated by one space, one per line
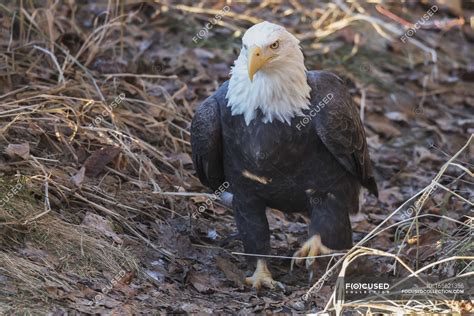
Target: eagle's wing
339 126
206 143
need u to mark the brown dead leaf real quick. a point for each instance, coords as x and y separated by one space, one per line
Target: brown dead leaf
231 271
200 281
219 210
280 216
128 278
99 158
85 291
78 178
125 289
100 224
54 292
384 128
21 150
125 309
390 195
422 153
383 241
363 226
199 199
363 265
182 158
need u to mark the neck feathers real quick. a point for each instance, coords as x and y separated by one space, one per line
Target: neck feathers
280 91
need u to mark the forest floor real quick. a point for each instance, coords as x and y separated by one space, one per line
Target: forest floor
97 186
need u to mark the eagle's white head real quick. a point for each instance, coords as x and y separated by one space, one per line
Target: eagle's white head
269 75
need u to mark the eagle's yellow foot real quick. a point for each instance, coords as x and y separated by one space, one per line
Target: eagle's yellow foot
262 277
312 247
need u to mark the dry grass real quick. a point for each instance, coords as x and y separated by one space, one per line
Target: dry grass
57 113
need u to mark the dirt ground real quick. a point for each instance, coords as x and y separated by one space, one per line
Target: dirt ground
97 186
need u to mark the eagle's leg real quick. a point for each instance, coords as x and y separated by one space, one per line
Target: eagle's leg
330 227
255 234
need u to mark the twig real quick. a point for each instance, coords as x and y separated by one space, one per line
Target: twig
55 61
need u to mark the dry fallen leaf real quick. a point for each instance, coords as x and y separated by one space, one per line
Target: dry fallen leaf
21 150
397 116
125 289
182 158
421 154
200 281
231 271
128 277
390 195
100 224
78 178
125 309
99 158
384 128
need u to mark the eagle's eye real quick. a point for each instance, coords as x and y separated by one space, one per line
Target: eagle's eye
275 45
245 46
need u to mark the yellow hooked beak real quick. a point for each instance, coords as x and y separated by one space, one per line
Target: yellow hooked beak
256 60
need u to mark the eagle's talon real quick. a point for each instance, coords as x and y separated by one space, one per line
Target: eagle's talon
312 247
262 277
309 263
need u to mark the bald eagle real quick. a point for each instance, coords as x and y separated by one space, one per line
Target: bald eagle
284 138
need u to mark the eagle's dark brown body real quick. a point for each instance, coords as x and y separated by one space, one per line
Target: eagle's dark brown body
317 167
